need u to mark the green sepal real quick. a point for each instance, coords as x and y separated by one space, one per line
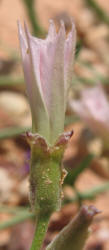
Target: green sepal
46 173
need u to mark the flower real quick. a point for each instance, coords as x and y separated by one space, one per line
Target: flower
93 108
48 68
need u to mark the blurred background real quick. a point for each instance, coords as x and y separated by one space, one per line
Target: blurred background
87 156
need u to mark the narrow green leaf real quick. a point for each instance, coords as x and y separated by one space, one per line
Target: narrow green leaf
75 172
6 133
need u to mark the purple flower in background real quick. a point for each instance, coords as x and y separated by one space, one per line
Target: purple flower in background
27 162
48 68
93 108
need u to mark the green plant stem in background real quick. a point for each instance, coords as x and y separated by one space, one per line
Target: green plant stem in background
12 210
90 194
79 46
99 11
75 172
6 133
22 216
90 81
37 30
11 81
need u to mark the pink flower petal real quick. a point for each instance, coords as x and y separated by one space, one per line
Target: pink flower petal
93 108
39 112
48 66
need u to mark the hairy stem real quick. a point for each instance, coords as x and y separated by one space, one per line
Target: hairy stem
45 190
40 232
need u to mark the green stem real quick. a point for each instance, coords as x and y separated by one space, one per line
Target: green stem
89 195
45 176
45 189
40 232
78 196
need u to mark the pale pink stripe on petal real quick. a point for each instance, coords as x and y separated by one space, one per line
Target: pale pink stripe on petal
56 109
39 112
